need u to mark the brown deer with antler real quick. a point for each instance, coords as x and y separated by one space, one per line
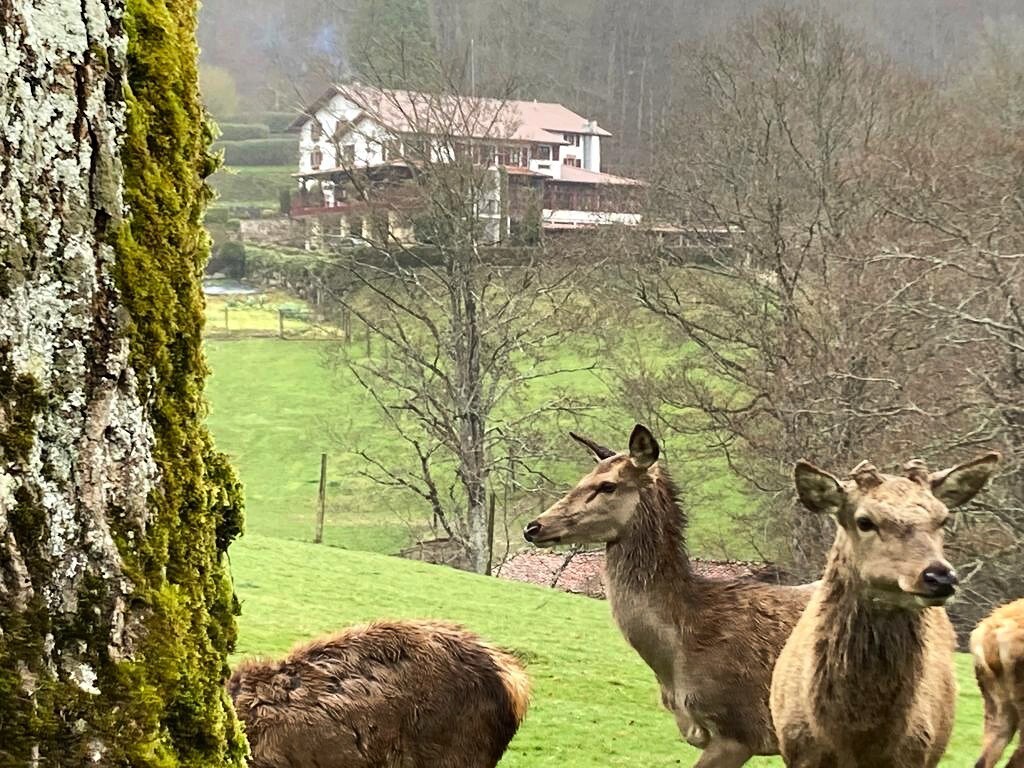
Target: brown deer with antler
712 644
866 679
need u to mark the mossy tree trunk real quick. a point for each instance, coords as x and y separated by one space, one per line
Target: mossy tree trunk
116 608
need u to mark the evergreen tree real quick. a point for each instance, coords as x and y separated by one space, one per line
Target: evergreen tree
393 43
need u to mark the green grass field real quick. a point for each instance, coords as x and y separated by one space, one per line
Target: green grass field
594 703
275 408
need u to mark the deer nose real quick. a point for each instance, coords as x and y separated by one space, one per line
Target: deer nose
940 580
531 530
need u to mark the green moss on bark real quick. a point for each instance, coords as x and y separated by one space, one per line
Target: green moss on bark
196 509
128 671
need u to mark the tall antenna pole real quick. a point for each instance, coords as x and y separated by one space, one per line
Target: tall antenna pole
472 67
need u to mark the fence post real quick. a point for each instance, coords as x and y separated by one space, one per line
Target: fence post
490 534
321 500
369 350
226 318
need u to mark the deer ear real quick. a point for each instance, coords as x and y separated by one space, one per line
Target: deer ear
643 448
959 484
818 490
599 451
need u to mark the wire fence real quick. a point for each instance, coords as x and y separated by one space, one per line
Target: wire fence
254 317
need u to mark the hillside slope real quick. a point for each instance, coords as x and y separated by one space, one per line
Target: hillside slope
594 703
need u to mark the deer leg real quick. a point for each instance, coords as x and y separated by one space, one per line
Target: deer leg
1017 758
724 754
1000 725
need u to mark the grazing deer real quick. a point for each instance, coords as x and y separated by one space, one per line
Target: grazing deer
416 694
997 644
712 644
866 679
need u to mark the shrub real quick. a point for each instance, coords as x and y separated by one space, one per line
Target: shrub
260 185
284 197
218 88
284 151
229 259
217 215
242 131
277 122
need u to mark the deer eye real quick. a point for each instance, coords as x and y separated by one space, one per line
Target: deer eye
866 524
606 487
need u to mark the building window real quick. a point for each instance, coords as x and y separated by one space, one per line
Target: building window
315 158
543 152
510 156
348 154
315 130
575 162
572 138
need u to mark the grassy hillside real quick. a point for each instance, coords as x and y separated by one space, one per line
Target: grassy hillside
594 703
275 408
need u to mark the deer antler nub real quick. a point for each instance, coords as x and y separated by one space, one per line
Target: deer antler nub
917 471
866 475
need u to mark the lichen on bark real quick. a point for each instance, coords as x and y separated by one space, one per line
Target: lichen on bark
116 609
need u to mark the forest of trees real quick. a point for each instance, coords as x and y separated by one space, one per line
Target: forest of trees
615 61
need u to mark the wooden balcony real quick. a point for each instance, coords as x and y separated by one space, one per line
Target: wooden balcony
300 209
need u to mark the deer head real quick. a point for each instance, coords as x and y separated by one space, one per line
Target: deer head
891 527
602 504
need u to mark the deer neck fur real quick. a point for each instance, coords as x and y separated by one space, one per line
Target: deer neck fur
650 584
880 646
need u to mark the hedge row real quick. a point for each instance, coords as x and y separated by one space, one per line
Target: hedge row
278 122
257 185
242 131
284 151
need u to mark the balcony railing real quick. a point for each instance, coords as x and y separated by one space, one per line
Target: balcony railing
309 209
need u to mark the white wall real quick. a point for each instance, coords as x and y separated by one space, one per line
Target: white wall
366 135
550 216
570 150
552 168
592 153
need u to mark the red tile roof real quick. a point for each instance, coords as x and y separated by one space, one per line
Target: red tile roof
583 176
469 116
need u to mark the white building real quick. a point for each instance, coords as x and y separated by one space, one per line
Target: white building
545 145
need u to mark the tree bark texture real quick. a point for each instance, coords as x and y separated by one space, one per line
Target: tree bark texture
116 608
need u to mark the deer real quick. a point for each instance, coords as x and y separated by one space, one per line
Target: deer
866 680
997 645
711 644
416 694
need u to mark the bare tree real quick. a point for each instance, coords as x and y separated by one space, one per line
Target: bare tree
466 327
964 271
773 171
